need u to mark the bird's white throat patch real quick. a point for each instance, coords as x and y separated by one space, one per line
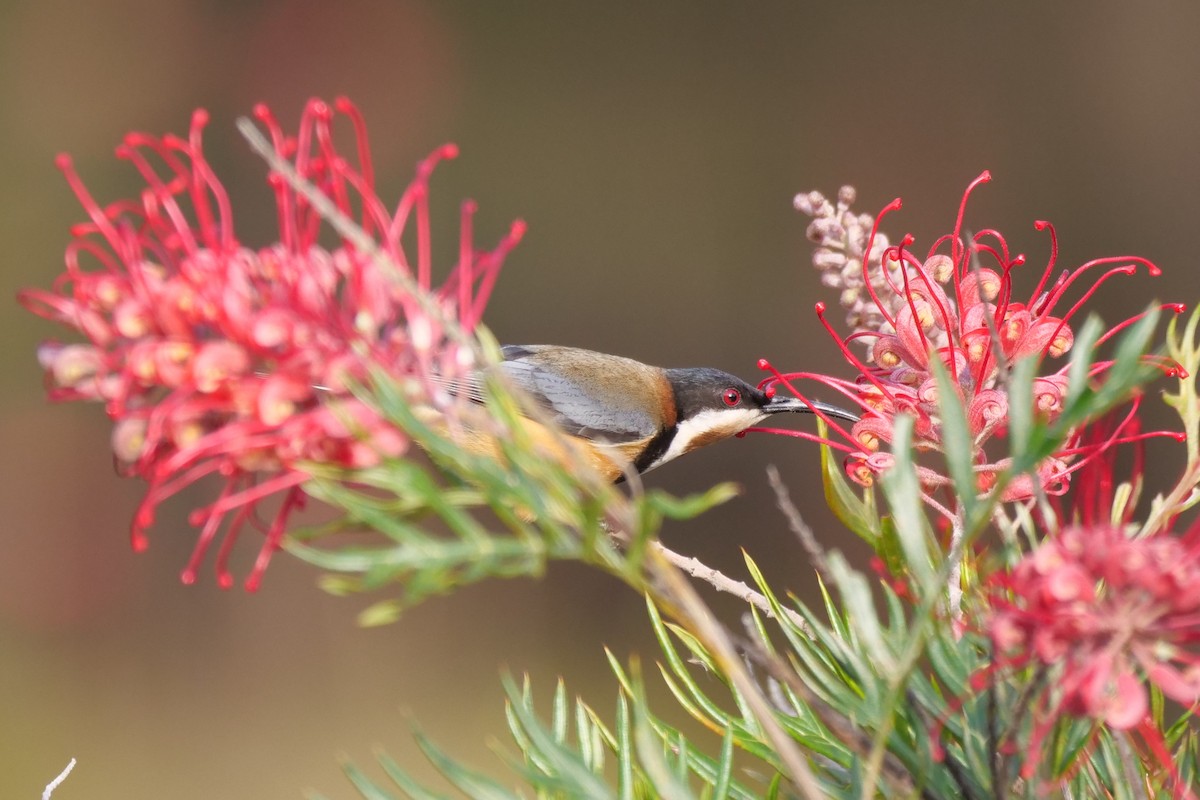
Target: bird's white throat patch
708 426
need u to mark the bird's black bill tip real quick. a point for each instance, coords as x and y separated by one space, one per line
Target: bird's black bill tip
779 404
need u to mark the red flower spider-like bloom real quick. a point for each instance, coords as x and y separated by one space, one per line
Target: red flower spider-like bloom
217 359
950 309
1104 614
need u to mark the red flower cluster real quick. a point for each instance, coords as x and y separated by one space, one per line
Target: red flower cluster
1106 613
948 308
217 359
1109 610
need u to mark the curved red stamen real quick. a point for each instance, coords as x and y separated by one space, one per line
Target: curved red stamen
209 532
160 490
957 243
812 437
424 255
1100 449
846 389
224 576
375 215
117 209
307 167
314 111
203 177
1168 366
102 223
894 253
854 337
165 148
945 238
1004 297
1177 308
764 364
224 221
163 198
1141 437
866 371
262 112
1129 269
179 176
934 295
1000 240
957 256
895 205
284 200
908 298
465 273
1126 270
365 166
71 258
1043 225
274 536
418 187
976 247
335 171
491 265
246 498
1002 302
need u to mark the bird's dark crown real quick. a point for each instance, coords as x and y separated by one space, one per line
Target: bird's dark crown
703 388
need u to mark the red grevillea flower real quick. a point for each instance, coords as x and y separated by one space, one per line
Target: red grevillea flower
217 359
1104 614
956 306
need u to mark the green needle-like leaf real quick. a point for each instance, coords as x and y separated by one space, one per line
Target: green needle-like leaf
403 780
852 510
725 766
365 785
904 497
565 763
471 783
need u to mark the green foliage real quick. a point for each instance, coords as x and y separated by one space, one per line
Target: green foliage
435 526
888 689
855 511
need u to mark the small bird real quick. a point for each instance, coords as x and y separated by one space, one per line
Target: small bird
629 416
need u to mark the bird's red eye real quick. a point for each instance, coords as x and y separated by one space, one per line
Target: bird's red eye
731 397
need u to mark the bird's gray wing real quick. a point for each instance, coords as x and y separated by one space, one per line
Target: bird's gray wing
576 410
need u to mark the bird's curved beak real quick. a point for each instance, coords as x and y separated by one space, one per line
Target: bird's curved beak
779 404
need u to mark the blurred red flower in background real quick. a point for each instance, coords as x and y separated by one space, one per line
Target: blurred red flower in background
1108 614
217 359
1108 608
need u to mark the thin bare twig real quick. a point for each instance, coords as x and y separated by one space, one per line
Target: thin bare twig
954 590
714 578
54 784
816 553
723 583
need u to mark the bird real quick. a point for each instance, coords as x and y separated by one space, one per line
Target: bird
621 415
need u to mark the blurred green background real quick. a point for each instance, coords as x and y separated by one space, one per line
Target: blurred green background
654 150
